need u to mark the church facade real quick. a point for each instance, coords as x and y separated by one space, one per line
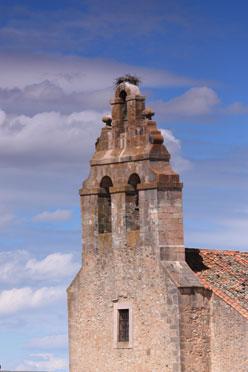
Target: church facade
141 302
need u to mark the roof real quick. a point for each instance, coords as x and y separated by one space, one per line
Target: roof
224 272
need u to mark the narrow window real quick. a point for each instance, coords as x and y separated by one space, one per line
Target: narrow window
123 335
132 203
123 96
104 206
123 327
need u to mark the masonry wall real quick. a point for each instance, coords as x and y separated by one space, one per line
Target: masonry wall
229 338
123 267
154 334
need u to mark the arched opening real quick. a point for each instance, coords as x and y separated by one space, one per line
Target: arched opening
132 203
104 206
123 96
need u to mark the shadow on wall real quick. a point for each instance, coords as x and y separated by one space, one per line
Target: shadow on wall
195 260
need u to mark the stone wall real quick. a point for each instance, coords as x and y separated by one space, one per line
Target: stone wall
123 267
154 341
229 338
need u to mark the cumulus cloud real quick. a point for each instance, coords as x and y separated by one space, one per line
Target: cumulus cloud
19 266
49 342
18 299
196 101
46 361
49 137
174 147
55 265
43 158
51 216
11 264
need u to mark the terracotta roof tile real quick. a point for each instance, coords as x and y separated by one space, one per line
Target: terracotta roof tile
224 272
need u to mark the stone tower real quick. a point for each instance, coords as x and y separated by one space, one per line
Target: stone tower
130 306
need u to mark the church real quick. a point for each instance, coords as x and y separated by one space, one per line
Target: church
141 301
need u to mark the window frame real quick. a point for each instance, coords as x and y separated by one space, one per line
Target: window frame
123 344
123 325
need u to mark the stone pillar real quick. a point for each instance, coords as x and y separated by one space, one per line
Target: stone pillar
170 225
194 307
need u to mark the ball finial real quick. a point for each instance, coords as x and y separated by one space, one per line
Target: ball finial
148 113
107 119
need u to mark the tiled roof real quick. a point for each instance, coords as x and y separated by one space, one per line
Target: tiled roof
224 272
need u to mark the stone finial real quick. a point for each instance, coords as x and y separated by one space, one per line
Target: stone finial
148 113
107 119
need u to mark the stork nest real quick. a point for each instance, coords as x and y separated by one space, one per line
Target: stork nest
128 79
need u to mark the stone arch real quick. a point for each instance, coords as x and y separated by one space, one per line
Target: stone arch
106 182
128 88
134 179
104 206
132 203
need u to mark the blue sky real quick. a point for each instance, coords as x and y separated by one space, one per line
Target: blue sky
58 61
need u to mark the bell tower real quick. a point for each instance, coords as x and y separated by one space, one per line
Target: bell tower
132 195
123 304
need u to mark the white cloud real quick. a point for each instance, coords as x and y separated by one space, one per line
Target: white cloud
48 96
56 265
12 264
195 102
49 342
173 145
18 299
49 138
58 215
76 74
20 267
47 362
30 85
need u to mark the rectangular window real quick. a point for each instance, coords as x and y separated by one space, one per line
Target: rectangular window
123 335
123 325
